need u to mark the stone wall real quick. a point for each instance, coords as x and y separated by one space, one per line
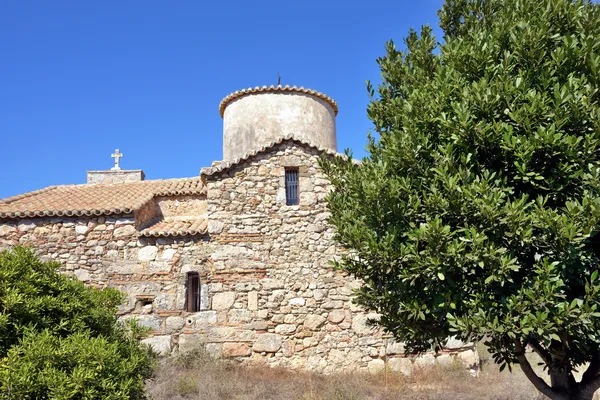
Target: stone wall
268 293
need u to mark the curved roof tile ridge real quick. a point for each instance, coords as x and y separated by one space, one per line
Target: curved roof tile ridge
289 137
276 89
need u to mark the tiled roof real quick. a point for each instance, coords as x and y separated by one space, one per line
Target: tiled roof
228 164
95 199
276 89
192 226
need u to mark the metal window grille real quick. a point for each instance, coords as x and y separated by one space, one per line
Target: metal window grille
291 186
193 292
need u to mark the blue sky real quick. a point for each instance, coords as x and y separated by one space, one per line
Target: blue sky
81 78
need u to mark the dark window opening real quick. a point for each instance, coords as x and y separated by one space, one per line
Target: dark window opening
291 186
193 292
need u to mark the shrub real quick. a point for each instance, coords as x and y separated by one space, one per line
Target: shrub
60 339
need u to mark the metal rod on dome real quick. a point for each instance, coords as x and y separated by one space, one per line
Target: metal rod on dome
278 79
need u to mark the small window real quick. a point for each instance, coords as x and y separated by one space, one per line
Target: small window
291 186
193 292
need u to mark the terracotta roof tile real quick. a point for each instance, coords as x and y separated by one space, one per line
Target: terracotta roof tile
98 199
276 89
178 227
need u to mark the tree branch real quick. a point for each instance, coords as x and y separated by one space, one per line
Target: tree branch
541 351
591 373
587 390
538 382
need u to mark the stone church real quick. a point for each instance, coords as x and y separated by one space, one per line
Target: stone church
235 260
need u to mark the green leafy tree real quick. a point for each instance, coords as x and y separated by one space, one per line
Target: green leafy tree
477 211
61 340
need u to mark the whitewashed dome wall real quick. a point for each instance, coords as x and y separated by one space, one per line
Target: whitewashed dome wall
252 118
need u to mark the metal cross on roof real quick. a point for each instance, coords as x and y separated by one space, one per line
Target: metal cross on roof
116 155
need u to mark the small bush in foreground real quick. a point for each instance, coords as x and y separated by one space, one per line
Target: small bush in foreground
60 339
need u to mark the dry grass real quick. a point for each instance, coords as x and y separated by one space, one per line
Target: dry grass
196 376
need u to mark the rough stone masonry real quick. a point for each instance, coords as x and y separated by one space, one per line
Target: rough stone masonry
265 290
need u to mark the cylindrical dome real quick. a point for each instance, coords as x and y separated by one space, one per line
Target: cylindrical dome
252 118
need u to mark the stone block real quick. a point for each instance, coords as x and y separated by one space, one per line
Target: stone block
174 324
147 253
401 365
127 230
253 301
336 316
223 301
202 319
469 358
270 284
361 324
454 343
267 342
81 229
313 321
297 301
425 361
376 366
204 297
168 254
213 349
190 342
285 328
26 225
394 348
82 274
159 344
235 349
149 321
240 315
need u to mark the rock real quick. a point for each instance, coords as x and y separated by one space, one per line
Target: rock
425 361
202 319
313 321
190 342
159 344
393 348
235 349
215 226
376 366
223 301
469 358
5 229
445 360
269 284
336 316
127 230
147 253
167 255
240 316
454 343
360 323
401 365
253 301
149 321
298 301
285 328
81 229
82 274
26 225
320 294
213 350
174 324
267 342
